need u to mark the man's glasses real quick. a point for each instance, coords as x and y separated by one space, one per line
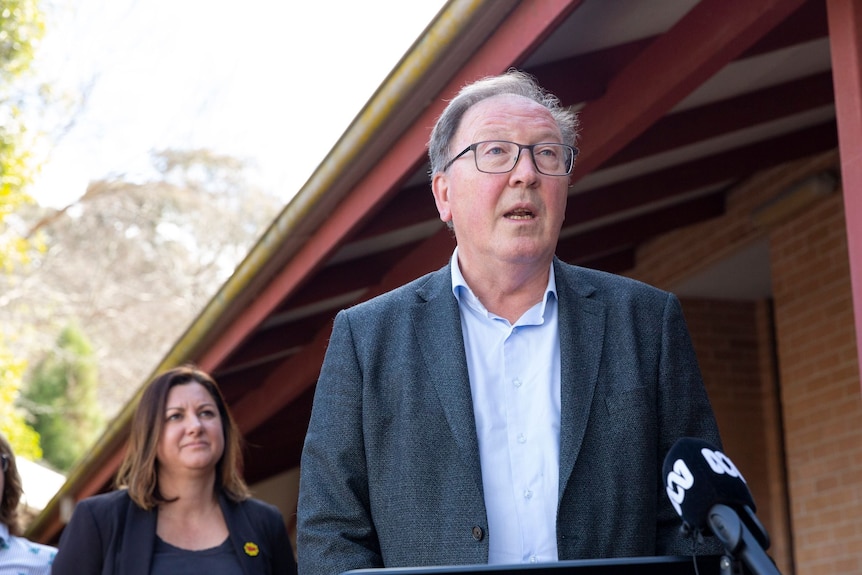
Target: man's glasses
4 462
500 156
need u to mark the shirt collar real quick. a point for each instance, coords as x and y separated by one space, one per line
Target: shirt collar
465 295
4 532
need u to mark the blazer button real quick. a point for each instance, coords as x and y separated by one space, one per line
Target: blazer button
478 534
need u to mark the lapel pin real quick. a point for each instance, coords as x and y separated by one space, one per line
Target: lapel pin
251 549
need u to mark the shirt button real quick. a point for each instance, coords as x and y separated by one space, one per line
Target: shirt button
516 382
478 534
528 494
534 559
522 438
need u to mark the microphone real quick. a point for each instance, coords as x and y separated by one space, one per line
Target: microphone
711 496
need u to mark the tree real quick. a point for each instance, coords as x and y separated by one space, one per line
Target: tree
62 396
13 425
22 25
133 262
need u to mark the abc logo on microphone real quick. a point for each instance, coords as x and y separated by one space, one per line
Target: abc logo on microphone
697 476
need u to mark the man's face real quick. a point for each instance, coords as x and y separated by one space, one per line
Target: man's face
503 218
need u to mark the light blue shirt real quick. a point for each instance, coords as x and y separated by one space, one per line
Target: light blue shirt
19 556
514 374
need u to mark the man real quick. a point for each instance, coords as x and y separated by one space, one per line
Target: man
17 554
509 407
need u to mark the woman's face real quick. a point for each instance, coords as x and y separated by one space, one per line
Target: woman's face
192 438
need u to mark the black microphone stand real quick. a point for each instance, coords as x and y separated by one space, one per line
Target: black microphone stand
739 541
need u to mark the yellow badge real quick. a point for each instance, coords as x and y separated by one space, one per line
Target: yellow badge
251 549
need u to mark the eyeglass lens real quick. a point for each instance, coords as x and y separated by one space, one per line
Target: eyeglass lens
500 156
4 462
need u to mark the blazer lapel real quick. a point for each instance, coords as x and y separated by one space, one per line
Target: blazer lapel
582 332
437 322
139 540
242 534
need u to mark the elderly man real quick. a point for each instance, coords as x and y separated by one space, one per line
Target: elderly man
508 408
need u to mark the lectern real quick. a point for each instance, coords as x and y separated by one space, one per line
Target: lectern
706 565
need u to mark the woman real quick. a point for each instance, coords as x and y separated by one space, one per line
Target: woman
17 554
184 508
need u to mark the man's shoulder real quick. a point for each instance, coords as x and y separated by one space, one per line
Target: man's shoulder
588 279
419 289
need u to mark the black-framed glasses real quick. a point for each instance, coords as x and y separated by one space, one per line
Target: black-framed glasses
501 156
4 462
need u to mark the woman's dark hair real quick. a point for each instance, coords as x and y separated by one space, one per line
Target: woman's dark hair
139 470
12 490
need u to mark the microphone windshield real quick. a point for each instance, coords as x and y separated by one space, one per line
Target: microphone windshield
697 476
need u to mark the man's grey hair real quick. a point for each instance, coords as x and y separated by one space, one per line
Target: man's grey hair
512 82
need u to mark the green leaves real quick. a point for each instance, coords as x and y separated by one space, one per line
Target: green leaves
22 26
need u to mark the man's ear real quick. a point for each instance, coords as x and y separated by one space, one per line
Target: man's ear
440 189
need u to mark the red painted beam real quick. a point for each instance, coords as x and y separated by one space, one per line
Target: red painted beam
725 116
585 77
615 262
411 206
706 39
845 39
635 230
805 24
662 184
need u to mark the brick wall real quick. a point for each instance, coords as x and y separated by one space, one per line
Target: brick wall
820 388
797 394
733 341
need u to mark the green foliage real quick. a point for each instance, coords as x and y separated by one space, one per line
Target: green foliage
61 394
22 26
22 437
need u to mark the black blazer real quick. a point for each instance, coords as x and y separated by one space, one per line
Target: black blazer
110 535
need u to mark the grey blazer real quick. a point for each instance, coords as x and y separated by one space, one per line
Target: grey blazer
390 468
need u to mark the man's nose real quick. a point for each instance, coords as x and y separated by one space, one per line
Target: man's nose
525 167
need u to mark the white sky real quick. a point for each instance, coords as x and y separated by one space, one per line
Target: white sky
274 82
